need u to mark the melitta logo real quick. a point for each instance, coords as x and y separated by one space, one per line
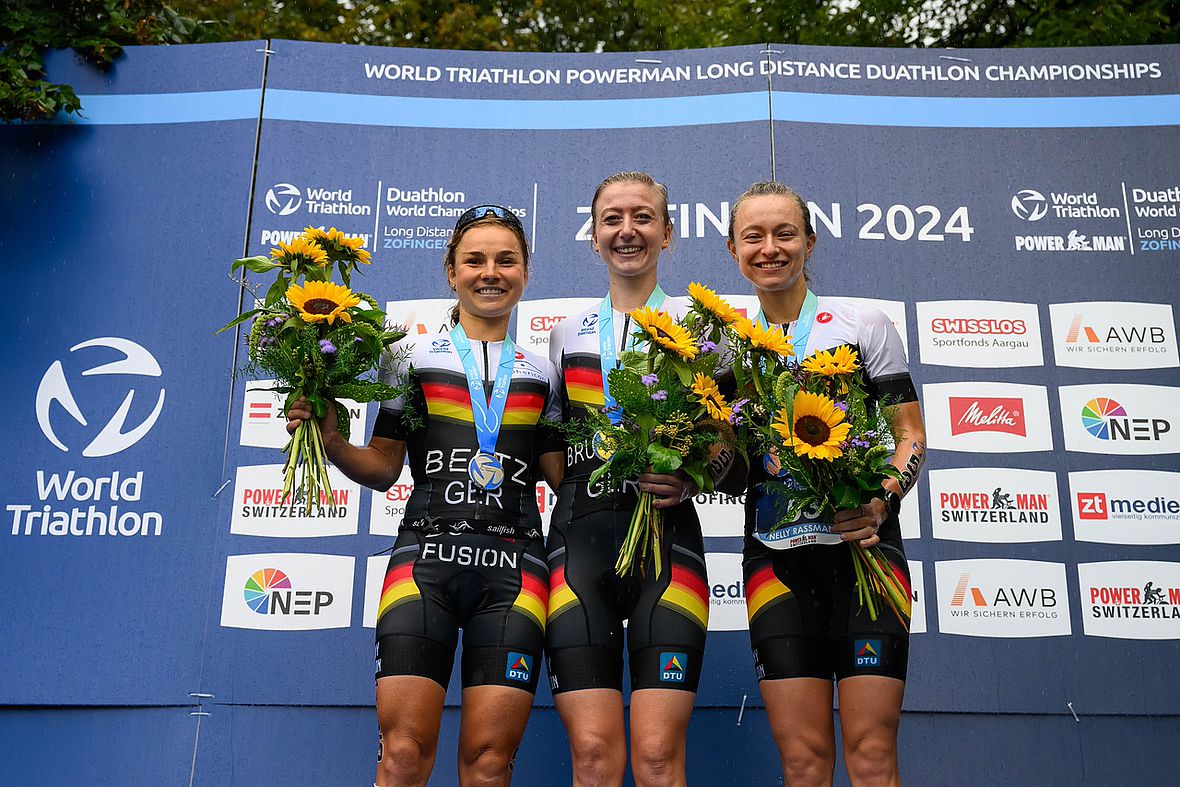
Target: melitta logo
544 323
1131 599
987 414
520 667
283 199
1030 205
994 505
54 387
287 592
1106 419
672 666
1126 506
1002 598
1114 335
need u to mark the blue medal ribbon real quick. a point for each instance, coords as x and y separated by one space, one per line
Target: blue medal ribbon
487 412
802 333
607 354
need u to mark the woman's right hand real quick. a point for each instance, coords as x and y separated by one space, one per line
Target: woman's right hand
301 411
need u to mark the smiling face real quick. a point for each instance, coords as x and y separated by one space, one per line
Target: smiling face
770 242
489 271
630 228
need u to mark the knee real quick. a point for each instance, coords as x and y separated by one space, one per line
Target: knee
871 758
656 761
404 760
597 758
808 760
485 764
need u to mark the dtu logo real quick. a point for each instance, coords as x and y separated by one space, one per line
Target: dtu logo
987 414
520 667
54 387
672 667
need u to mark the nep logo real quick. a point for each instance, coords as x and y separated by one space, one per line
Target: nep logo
1106 419
520 667
1030 205
1119 419
1126 506
287 592
672 669
1114 335
867 652
984 414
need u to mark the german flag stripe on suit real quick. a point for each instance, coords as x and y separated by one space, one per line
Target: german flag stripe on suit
688 594
448 398
763 591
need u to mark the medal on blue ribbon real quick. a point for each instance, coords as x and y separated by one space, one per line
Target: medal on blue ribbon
487 413
609 359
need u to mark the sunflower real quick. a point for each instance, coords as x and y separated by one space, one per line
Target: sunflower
664 331
712 303
318 301
842 360
818 427
299 250
337 246
768 339
705 387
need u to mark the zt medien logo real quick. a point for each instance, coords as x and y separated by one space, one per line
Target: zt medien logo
1030 205
283 199
55 387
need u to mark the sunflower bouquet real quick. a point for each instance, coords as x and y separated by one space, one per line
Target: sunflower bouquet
318 340
825 445
668 415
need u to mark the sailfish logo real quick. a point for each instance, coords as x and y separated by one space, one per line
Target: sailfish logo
672 670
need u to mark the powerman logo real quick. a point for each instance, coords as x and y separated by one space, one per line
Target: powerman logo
111 439
1030 205
520 667
283 199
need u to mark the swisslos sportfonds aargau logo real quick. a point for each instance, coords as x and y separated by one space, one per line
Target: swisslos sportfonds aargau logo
1130 599
1126 506
287 592
983 334
1120 419
994 505
260 509
987 417
1002 598
1114 335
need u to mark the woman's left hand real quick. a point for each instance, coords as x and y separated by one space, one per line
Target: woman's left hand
668 489
861 524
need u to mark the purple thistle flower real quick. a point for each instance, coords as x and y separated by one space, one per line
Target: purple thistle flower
265 341
650 379
357 340
660 395
708 346
738 405
327 348
736 419
273 322
842 407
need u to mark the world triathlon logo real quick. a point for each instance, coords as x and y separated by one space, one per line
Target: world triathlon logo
260 587
1030 205
111 439
520 667
672 667
283 199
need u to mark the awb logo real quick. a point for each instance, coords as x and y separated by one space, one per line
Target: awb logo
672 666
287 592
1126 506
987 417
1002 598
987 414
1120 419
520 667
55 387
1114 335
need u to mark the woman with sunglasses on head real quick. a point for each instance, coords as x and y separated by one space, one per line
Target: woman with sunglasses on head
666 614
469 554
807 626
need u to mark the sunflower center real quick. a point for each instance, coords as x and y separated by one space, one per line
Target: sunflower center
812 430
320 306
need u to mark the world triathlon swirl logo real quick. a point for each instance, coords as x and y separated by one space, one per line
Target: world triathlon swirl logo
1097 413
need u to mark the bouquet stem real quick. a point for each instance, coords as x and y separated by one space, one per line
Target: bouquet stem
877 579
306 457
644 534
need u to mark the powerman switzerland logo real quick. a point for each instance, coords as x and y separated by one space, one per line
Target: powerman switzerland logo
1030 205
115 436
1137 599
283 199
1120 419
987 417
994 505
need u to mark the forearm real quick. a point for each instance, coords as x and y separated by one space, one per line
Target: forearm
376 465
909 453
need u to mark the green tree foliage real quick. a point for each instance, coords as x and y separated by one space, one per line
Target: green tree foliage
98 28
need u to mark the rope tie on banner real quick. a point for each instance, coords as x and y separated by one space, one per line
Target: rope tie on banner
742 710
1073 712
220 489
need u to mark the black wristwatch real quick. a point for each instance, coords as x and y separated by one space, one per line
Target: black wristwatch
892 502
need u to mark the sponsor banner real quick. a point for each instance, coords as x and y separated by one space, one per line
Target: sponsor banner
1076 222
727 592
375 567
911 520
265 426
427 315
1128 420
721 515
994 505
287 592
987 417
1126 506
981 334
746 305
1134 599
387 508
918 598
894 310
546 499
1001 598
1114 335
535 319
260 509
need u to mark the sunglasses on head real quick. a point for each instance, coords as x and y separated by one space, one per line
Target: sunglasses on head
473 215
